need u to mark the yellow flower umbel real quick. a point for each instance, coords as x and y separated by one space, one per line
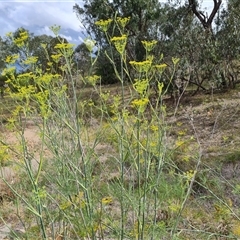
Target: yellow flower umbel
12 59
123 21
140 104
42 100
143 66
120 43
161 67
236 229
76 201
31 60
56 57
175 60
141 86
65 48
116 104
160 88
4 155
21 40
154 128
105 96
149 45
24 79
93 79
107 200
104 24
189 175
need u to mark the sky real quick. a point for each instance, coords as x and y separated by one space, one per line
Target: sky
38 15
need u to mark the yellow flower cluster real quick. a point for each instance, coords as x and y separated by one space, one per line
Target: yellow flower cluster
42 99
31 60
64 46
24 78
189 175
141 86
140 104
93 79
4 155
175 60
104 24
46 79
12 59
236 229
66 49
123 21
175 206
180 143
182 132
24 94
143 66
105 96
161 67
20 41
160 87
9 72
149 45
116 104
77 201
56 57
107 200
120 43
154 128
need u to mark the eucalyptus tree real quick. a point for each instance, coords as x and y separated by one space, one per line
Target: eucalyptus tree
4 51
144 24
205 20
33 47
82 59
194 40
229 32
144 16
228 38
36 44
182 28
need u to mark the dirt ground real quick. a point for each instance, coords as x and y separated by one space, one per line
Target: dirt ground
10 174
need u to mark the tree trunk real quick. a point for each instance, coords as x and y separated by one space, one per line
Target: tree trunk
204 19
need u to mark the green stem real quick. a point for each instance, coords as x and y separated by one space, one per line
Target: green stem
122 155
34 182
139 176
41 152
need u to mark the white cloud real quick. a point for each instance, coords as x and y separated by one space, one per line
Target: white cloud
81 39
68 38
37 16
44 30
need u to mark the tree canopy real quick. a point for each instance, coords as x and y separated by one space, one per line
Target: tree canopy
208 43
203 40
